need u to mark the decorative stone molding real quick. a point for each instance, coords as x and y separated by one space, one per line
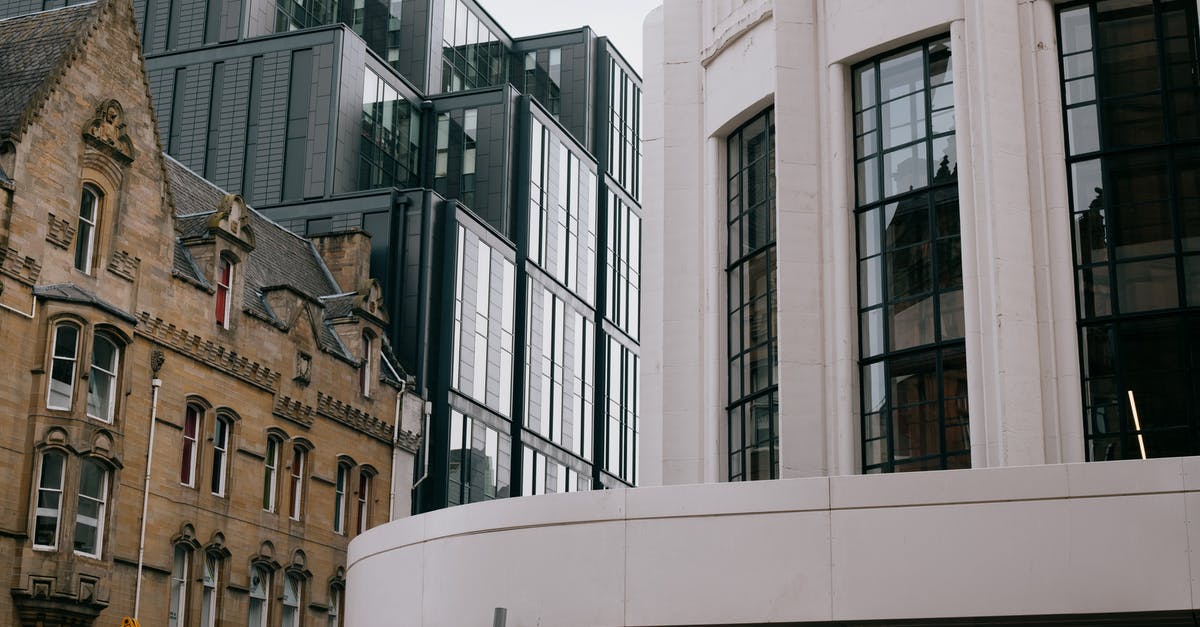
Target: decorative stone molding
106 131
207 352
353 417
59 232
232 218
22 268
294 410
124 265
732 26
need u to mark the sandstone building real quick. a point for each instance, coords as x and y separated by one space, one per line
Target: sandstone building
202 412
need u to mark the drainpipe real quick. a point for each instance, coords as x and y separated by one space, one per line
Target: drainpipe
396 451
32 312
156 361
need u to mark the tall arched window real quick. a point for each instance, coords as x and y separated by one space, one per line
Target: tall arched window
220 454
260 586
271 472
179 579
191 434
335 606
102 384
296 500
49 500
292 586
224 291
208 600
364 371
89 511
339 497
85 232
364 502
64 353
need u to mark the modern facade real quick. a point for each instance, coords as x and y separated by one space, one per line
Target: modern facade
498 179
950 236
203 409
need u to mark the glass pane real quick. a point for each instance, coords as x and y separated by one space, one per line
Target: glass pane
1142 230
870 282
953 323
1094 290
867 178
1147 285
1091 244
949 263
904 120
864 88
945 156
906 169
940 63
1081 90
1075 30
1185 107
907 222
872 332
874 387
909 272
1133 121
1078 65
1086 183
1124 21
902 74
1082 130
1191 280
911 323
1131 69
868 233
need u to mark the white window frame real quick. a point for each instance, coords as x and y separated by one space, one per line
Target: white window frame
220 455
101 373
191 444
177 610
224 287
296 473
339 498
210 582
260 598
335 606
72 359
102 502
56 512
85 229
271 472
293 590
364 505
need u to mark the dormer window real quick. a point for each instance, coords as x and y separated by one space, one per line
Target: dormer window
224 291
364 371
85 233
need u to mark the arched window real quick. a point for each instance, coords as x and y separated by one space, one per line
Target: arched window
49 500
179 579
191 434
364 371
85 232
62 367
292 586
220 454
102 385
339 497
271 472
89 512
224 291
260 585
208 599
296 502
364 502
335 606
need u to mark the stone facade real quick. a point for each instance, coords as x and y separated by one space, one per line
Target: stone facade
129 373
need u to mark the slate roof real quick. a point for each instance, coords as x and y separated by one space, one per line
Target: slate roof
71 293
31 47
280 258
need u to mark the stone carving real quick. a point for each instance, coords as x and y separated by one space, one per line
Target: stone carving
107 130
124 264
59 232
232 217
206 351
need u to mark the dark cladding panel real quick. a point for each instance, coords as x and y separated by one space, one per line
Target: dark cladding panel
272 128
226 169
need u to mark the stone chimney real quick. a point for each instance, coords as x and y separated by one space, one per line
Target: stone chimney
348 256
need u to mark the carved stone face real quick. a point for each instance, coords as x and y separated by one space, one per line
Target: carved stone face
111 115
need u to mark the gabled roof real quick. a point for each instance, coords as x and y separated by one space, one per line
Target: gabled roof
279 258
32 49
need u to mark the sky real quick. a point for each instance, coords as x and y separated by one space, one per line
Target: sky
619 20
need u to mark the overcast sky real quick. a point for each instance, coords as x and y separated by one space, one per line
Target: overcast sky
620 20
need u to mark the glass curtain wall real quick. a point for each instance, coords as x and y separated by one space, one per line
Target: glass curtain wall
389 151
753 411
472 55
1130 88
912 357
625 130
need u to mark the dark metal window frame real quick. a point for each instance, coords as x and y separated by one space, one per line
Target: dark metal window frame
738 421
934 192
1110 323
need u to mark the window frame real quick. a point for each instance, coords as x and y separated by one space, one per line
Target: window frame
296 468
177 604
340 503
295 583
100 499
60 491
264 576
210 583
224 290
73 359
221 439
364 368
362 497
85 249
98 372
190 449
271 460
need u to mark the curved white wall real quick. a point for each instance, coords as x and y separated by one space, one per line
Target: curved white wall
1055 539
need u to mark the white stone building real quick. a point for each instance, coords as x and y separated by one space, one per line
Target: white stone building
960 236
